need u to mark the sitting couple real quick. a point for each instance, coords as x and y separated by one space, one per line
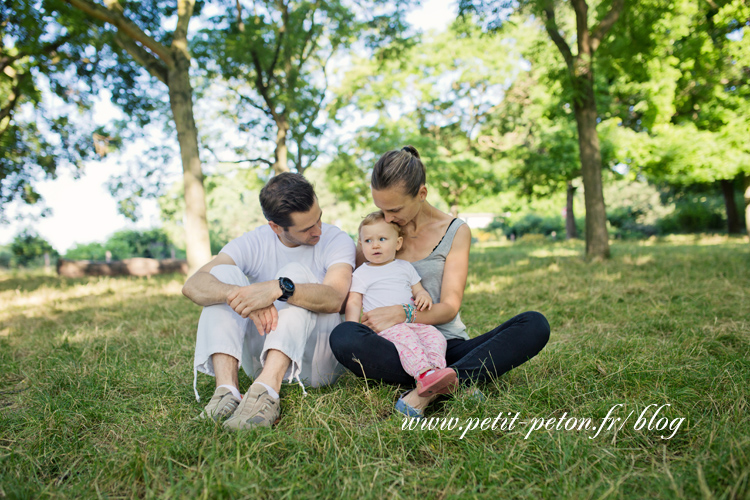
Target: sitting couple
286 322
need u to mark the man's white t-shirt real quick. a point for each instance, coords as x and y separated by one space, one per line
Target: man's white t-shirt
260 254
386 285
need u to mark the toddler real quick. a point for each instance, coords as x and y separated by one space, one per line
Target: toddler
386 281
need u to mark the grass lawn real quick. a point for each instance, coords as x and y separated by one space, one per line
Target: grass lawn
96 391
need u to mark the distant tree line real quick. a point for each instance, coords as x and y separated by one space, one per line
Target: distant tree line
28 249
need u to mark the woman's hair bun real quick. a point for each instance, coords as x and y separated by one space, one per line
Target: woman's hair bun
411 150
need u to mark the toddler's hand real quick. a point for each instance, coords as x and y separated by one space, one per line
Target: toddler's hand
423 301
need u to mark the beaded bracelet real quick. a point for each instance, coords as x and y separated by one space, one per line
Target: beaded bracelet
409 312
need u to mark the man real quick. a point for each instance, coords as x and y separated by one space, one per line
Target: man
278 325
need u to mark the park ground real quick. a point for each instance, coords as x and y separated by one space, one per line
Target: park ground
96 392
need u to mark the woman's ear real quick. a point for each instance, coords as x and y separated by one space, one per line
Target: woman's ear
422 194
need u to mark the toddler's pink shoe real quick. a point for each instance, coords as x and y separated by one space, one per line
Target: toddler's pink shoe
442 381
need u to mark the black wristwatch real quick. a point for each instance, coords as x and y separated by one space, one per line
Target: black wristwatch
287 289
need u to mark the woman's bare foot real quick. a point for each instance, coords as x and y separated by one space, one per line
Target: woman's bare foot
418 403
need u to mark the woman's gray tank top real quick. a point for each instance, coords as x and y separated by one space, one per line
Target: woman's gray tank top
431 269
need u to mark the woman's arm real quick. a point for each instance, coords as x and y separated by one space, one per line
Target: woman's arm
455 273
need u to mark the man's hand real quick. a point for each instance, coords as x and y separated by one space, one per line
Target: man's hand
266 320
244 300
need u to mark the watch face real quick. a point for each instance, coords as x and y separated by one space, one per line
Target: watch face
287 284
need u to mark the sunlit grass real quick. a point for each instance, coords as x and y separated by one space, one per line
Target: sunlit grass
96 397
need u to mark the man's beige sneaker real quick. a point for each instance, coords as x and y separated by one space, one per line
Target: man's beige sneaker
257 409
222 405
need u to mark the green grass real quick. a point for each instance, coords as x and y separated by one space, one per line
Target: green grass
96 397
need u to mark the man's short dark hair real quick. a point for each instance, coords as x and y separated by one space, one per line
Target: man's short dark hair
285 194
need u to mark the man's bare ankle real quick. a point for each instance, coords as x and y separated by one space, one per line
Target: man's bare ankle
275 384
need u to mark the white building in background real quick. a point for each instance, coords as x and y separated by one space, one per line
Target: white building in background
478 220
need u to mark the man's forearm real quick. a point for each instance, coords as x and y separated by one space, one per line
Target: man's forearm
205 290
316 298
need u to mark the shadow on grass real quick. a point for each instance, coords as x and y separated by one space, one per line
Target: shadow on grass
33 281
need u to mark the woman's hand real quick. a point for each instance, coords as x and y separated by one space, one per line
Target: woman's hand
382 318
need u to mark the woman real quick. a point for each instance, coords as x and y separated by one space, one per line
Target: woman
438 247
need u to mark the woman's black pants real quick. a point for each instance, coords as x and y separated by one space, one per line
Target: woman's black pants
511 344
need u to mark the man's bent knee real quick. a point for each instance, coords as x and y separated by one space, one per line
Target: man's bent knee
297 273
231 275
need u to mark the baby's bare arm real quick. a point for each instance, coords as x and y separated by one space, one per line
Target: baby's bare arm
422 298
353 307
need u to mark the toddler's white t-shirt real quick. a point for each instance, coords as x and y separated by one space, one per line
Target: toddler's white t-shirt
386 285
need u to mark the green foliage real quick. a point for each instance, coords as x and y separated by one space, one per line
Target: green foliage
275 58
232 207
151 243
132 70
87 251
6 256
531 223
635 209
672 95
684 88
47 83
434 97
533 128
695 214
28 249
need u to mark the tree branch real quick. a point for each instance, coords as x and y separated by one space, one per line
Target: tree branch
240 24
250 160
262 88
606 24
712 4
126 26
582 27
157 69
308 36
8 60
277 50
244 99
50 47
279 42
247 160
554 33
313 117
184 13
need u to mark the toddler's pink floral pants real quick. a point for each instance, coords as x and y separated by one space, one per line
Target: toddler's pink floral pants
420 347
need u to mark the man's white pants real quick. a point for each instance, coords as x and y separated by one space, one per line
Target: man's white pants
301 334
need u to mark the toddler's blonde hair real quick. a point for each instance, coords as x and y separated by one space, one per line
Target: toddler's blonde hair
374 218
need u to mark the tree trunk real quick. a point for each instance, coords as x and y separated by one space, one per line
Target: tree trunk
747 204
280 154
733 218
597 238
570 220
198 245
